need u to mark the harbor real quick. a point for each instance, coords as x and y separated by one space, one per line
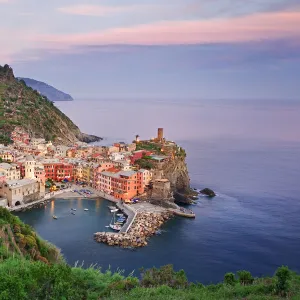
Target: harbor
132 224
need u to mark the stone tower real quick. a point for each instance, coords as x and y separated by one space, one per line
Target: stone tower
160 134
29 167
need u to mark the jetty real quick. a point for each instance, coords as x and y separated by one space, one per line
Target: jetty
144 225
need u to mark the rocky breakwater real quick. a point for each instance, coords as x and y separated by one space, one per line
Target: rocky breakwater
144 225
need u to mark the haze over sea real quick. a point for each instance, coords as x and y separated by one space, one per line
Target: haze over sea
248 151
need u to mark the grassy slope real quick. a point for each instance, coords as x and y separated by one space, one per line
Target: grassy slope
30 268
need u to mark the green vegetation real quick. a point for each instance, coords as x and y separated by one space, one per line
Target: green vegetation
181 153
144 164
148 146
30 268
27 241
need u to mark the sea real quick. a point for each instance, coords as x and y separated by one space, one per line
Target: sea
248 151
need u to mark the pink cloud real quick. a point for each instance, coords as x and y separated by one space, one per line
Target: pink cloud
97 10
266 26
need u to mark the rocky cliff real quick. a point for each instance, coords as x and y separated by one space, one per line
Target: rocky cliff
22 106
177 172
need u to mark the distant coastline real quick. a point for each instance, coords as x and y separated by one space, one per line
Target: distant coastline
52 93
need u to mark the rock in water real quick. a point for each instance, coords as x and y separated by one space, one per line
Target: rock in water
208 192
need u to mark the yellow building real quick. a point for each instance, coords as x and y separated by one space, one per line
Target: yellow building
6 155
11 171
86 174
78 172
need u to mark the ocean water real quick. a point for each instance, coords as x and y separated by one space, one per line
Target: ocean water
247 151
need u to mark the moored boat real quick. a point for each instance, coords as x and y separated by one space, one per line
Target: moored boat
54 217
115 227
86 209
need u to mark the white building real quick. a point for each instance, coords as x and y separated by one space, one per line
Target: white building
29 167
117 156
22 191
37 141
147 176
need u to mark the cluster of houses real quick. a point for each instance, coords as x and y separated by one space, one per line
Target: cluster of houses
28 163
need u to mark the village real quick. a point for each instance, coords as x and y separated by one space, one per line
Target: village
30 167
33 170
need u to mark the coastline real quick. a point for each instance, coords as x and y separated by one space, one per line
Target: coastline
143 219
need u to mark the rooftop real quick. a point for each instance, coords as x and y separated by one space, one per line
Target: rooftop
21 182
127 173
158 157
5 166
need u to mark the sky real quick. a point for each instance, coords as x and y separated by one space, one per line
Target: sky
205 49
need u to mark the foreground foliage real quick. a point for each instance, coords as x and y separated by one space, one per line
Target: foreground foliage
24 279
30 268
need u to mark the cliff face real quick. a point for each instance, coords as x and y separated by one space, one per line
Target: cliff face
177 173
22 106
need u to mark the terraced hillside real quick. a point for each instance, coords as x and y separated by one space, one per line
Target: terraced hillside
22 106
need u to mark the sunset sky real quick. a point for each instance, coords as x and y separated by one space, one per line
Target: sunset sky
156 49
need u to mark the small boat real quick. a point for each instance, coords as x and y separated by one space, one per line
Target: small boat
86 209
114 210
73 213
54 217
115 227
120 215
121 220
107 226
73 209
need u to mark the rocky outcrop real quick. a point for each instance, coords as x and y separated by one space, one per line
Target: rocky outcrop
24 107
176 172
208 192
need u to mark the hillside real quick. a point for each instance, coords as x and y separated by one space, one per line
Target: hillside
20 105
31 268
44 89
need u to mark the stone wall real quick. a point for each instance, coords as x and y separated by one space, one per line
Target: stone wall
32 197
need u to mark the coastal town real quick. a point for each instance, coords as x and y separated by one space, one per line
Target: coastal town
33 170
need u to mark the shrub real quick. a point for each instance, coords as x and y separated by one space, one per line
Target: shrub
245 277
229 279
283 275
30 241
17 228
164 276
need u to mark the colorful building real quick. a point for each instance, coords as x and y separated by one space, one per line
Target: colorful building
58 171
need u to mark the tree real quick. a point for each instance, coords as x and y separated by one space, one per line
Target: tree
245 277
283 275
229 279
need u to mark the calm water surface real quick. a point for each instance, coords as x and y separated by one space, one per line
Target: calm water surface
248 151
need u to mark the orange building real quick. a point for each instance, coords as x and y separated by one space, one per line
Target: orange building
125 185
